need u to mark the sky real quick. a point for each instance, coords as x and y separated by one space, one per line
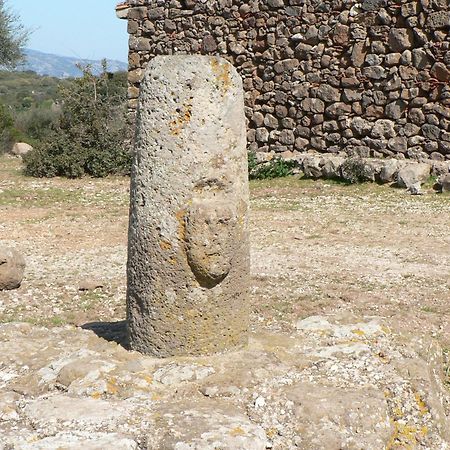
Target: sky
87 29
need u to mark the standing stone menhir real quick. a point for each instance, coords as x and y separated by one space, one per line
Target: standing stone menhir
188 250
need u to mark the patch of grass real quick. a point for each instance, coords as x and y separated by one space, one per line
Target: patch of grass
91 299
430 182
38 197
429 309
51 321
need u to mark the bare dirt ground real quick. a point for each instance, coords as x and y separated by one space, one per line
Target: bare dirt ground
317 248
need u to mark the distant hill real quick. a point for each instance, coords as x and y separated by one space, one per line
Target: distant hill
64 66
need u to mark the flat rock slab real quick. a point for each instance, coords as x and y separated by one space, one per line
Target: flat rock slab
71 441
82 410
337 382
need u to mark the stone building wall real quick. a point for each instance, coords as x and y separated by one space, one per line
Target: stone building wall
369 78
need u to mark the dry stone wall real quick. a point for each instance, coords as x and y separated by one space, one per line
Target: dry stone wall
366 79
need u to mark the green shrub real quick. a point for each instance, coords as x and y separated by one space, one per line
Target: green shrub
354 170
90 135
275 168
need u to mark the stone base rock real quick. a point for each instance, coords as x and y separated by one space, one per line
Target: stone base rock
12 266
335 382
405 173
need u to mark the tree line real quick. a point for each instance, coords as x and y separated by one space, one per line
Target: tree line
81 131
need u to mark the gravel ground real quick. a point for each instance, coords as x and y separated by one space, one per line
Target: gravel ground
317 248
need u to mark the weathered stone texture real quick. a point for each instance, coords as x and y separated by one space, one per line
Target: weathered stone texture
188 263
299 59
12 266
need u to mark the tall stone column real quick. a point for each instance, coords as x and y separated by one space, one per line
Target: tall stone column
188 249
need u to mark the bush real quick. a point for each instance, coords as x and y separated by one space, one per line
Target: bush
36 123
90 136
275 168
9 135
354 170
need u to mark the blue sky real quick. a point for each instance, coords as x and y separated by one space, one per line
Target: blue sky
79 28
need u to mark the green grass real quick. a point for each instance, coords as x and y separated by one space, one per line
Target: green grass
38 197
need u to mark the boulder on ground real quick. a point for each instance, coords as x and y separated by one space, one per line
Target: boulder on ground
331 168
412 174
21 149
312 166
388 171
12 265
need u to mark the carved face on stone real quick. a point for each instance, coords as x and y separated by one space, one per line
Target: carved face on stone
210 240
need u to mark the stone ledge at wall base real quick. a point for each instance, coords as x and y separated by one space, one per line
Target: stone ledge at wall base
402 173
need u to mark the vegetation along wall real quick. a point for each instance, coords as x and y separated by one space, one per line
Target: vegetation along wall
369 78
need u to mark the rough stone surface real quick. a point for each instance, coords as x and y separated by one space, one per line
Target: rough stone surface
444 182
335 381
12 266
188 263
412 174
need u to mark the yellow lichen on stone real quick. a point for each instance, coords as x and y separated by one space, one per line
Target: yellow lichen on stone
358 332
423 408
405 436
238 431
223 75
96 395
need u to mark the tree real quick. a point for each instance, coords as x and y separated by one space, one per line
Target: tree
13 36
90 135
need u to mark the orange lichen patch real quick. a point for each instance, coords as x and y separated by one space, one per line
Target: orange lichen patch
148 379
423 408
238 431
222 72
183 118
96 395
111 386
165 245
180 216
271 433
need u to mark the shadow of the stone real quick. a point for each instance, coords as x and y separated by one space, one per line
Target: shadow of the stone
110 331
